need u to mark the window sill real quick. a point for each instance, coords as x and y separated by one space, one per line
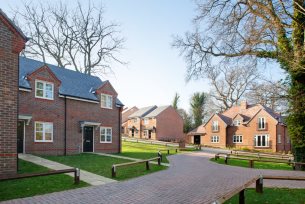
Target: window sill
40 141
106 108
105 142
42 98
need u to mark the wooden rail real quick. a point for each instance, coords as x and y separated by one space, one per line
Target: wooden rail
259 181
52 172
264 155
251 161
146 161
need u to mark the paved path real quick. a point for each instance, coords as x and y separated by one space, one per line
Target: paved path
191 178
92 179
129 158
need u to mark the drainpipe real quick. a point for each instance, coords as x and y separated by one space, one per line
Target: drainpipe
120 127
65 128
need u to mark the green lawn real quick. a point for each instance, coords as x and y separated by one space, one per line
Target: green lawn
145 151
101 165
257 165
21 188
272 195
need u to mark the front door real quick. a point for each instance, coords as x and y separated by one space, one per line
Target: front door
88 139
149 134
132 132
197 139
20 136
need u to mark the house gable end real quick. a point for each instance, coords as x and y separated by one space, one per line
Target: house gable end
44 73
106 88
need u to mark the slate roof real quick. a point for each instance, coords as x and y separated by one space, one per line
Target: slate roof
156 112
142 112
128 112
73 84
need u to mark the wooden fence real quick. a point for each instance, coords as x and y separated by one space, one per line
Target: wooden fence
146 161
76 172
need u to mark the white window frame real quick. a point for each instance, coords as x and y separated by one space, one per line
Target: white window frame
236 122
44 89
215 125
261 123
261 136
105 103
43 131
237 139
135 120
279 138
146 121
106 128
214 139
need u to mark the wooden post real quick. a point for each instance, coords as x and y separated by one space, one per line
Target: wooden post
147 165
176 150
226 159
242 197
160 155
216 157
76 176
113 172
159 161
251 163
200 147
168 151
259 185
293 165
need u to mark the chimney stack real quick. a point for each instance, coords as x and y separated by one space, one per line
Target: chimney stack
243 105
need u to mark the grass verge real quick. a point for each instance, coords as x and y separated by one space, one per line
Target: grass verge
272 195
101 165
257 164
21 188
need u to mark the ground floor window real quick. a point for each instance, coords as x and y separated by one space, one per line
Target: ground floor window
145 133
215 139
105 135
237 139
261 140
43 132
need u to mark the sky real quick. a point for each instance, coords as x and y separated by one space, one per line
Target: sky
155 70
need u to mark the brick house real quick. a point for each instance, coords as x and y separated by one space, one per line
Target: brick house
66 112
156 123
12 41
125 114
244 126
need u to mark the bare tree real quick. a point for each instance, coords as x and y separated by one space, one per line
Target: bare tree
242 31
75 37
230 84
271 94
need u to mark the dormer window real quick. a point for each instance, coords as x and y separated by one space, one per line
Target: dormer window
44 90
236 123
106 101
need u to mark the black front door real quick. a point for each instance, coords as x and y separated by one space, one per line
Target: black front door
88 139
149 134
20 136
197 139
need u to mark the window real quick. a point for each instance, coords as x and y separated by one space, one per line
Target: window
237 139
215 139
145 133
135 120
236 123
44 90
279 138
106 101
261 123
215 125
146 121
261 140
43 132
106 135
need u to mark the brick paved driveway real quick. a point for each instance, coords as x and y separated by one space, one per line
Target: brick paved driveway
192 178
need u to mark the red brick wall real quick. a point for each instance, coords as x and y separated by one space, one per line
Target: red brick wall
8 98
169 125
206 139
53 111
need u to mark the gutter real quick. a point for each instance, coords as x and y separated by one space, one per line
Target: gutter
120 128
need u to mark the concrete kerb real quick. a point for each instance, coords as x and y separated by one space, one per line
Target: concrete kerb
88 177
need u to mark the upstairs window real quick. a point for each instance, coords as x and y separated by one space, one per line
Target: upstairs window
106 101
106 135
44 90
146 121
261 123
215 126
236 123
